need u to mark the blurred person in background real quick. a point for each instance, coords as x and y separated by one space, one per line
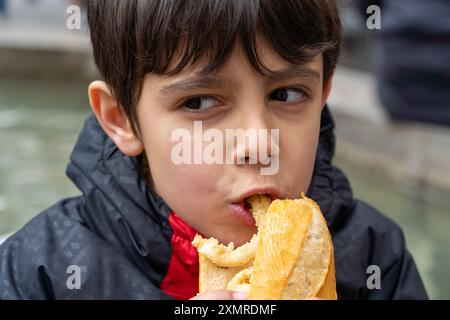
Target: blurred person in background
2 8
412 59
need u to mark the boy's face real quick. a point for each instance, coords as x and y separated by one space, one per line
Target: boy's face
210 196
207 195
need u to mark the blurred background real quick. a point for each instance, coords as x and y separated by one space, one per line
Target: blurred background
390 100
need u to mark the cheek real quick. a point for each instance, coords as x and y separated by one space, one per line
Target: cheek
178 185
298 153
186 178
188 181
189 190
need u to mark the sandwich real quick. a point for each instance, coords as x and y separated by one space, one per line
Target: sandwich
290 257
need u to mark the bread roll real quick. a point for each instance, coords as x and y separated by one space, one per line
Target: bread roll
291 256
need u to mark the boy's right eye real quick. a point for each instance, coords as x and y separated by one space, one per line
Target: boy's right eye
200 103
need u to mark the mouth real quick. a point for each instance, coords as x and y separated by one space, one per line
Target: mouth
241 208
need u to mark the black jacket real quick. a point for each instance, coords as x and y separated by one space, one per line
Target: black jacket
117 231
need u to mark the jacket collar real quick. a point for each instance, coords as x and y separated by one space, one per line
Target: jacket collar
329 186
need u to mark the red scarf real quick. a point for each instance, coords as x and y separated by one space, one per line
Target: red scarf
181 280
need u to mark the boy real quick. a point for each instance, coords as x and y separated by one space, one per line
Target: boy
170 66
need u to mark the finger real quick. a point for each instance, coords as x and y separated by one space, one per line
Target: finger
221 295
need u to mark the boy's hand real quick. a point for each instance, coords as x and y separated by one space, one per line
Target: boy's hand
221 295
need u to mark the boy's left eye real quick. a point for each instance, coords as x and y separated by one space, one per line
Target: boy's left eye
288 95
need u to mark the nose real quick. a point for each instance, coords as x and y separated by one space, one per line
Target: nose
256 139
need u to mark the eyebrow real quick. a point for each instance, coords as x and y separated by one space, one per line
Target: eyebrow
214 81
294 72
198 82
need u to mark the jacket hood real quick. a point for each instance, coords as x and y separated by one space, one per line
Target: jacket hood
111 180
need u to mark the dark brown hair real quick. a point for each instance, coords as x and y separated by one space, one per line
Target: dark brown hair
131 38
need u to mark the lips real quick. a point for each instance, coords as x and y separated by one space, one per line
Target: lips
243 214
241 210
271 192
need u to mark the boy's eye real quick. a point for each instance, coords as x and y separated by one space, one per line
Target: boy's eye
288 95
200 103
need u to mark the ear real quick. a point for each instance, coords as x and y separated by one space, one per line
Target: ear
113 120
327 90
